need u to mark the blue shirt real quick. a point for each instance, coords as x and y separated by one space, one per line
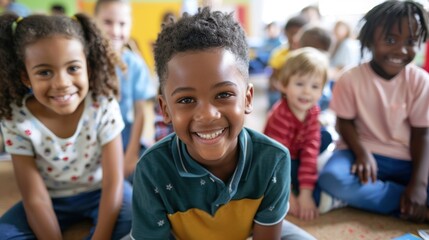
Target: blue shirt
135 85
175 194
19 9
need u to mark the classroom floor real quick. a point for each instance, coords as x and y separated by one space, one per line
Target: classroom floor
341 224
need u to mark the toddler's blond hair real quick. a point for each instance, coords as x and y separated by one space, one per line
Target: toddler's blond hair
302 61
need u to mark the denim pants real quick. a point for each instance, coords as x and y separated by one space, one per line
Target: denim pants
382 196
69 210
294 166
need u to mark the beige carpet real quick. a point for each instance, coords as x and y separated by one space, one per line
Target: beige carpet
351 224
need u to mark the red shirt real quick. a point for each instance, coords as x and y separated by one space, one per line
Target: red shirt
301 138
426 60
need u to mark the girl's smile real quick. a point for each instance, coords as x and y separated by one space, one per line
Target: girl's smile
393 50
57 73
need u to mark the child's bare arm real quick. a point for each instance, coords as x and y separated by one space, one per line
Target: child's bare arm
293 205
307 206
112 189
365 166
35 197
414 198
267 232
133 149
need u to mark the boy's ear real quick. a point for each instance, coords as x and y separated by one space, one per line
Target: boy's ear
163 105
249 99
25 79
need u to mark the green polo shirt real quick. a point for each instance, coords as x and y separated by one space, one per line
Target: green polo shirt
172 193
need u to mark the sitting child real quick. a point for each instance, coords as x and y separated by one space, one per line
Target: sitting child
294 122
212 178
382 161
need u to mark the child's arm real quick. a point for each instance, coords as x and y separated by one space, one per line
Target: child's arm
267 232
307 170
307 206
133 149
35 197
414 198
112 188
365 166
293 205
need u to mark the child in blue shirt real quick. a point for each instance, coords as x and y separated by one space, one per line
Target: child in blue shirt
136 86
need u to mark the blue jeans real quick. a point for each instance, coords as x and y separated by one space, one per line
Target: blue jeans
382 196
325 139
69 210
295 183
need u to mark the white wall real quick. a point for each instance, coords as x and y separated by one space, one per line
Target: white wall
266 11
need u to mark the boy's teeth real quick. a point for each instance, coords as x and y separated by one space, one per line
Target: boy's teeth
210 135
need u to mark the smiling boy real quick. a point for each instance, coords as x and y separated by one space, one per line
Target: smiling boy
212 178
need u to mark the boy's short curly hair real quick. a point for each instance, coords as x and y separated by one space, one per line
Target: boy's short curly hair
205 30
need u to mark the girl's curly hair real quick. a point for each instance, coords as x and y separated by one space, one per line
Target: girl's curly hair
199 32
16 34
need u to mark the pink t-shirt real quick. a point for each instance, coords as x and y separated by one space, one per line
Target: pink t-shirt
383 110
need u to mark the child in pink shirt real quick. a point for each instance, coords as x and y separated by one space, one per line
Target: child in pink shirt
382 161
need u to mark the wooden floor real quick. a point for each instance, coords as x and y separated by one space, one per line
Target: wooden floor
9 195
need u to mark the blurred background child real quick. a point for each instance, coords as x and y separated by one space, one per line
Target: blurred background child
294 122
345 51
58 9
262 54
279 55
136 86
14 7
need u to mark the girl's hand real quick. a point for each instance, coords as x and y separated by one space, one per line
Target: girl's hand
307 206
365 167
413 203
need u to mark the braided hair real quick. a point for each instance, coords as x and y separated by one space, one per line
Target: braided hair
390 13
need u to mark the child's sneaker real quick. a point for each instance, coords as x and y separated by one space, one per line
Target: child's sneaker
328 203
